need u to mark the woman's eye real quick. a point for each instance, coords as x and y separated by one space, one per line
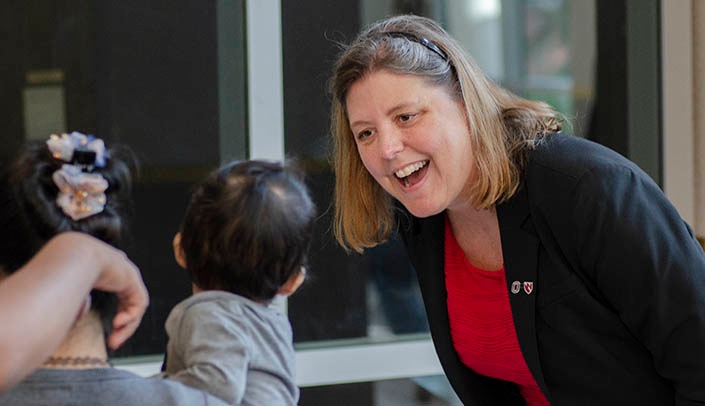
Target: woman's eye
363 134
406 117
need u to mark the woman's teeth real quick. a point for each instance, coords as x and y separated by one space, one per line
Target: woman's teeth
408 170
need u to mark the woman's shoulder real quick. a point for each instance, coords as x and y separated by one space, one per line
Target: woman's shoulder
568 157
156 390
167 392
567 151
564 167
109 386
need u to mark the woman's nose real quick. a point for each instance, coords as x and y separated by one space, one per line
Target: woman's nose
391 143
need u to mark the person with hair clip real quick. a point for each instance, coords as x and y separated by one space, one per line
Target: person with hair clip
72 184
553 270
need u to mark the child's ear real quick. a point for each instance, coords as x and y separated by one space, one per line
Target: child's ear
293 283
179 251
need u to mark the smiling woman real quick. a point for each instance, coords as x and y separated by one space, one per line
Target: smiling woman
410 135
389 66
527 243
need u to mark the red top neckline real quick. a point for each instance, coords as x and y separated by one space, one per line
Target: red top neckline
481 322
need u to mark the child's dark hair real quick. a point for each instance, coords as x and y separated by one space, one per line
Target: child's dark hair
248 228
30 215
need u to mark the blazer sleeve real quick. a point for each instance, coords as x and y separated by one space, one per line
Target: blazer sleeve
644 261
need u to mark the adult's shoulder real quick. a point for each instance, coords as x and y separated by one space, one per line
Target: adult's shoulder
107 386
168 392
157 390
573 156
561 161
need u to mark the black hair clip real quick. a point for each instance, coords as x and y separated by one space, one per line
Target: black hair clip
420 40
84 158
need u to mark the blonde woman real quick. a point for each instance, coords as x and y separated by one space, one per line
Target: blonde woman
553 270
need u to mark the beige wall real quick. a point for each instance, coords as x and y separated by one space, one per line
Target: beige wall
699 115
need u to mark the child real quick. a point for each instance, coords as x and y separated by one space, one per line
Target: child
73 183
244 240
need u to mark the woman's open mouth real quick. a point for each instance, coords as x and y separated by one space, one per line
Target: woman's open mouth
412 174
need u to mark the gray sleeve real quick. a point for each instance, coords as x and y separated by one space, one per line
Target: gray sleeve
210 343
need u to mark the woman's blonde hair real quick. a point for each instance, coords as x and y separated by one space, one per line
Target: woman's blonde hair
502 125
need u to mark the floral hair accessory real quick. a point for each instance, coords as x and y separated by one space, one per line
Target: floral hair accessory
84 149
81 194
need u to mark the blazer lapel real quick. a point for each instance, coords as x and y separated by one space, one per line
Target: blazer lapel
424 239
520 251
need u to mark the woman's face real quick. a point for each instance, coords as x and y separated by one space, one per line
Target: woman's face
414 140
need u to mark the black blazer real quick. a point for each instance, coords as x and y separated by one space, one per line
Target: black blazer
614 307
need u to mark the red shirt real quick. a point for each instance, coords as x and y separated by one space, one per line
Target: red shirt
481 323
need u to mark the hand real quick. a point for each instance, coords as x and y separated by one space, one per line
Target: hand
119 275
63 272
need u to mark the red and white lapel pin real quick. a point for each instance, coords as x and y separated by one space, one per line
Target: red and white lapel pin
527 286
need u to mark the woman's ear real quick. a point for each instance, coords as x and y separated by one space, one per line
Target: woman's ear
179 255
293 283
